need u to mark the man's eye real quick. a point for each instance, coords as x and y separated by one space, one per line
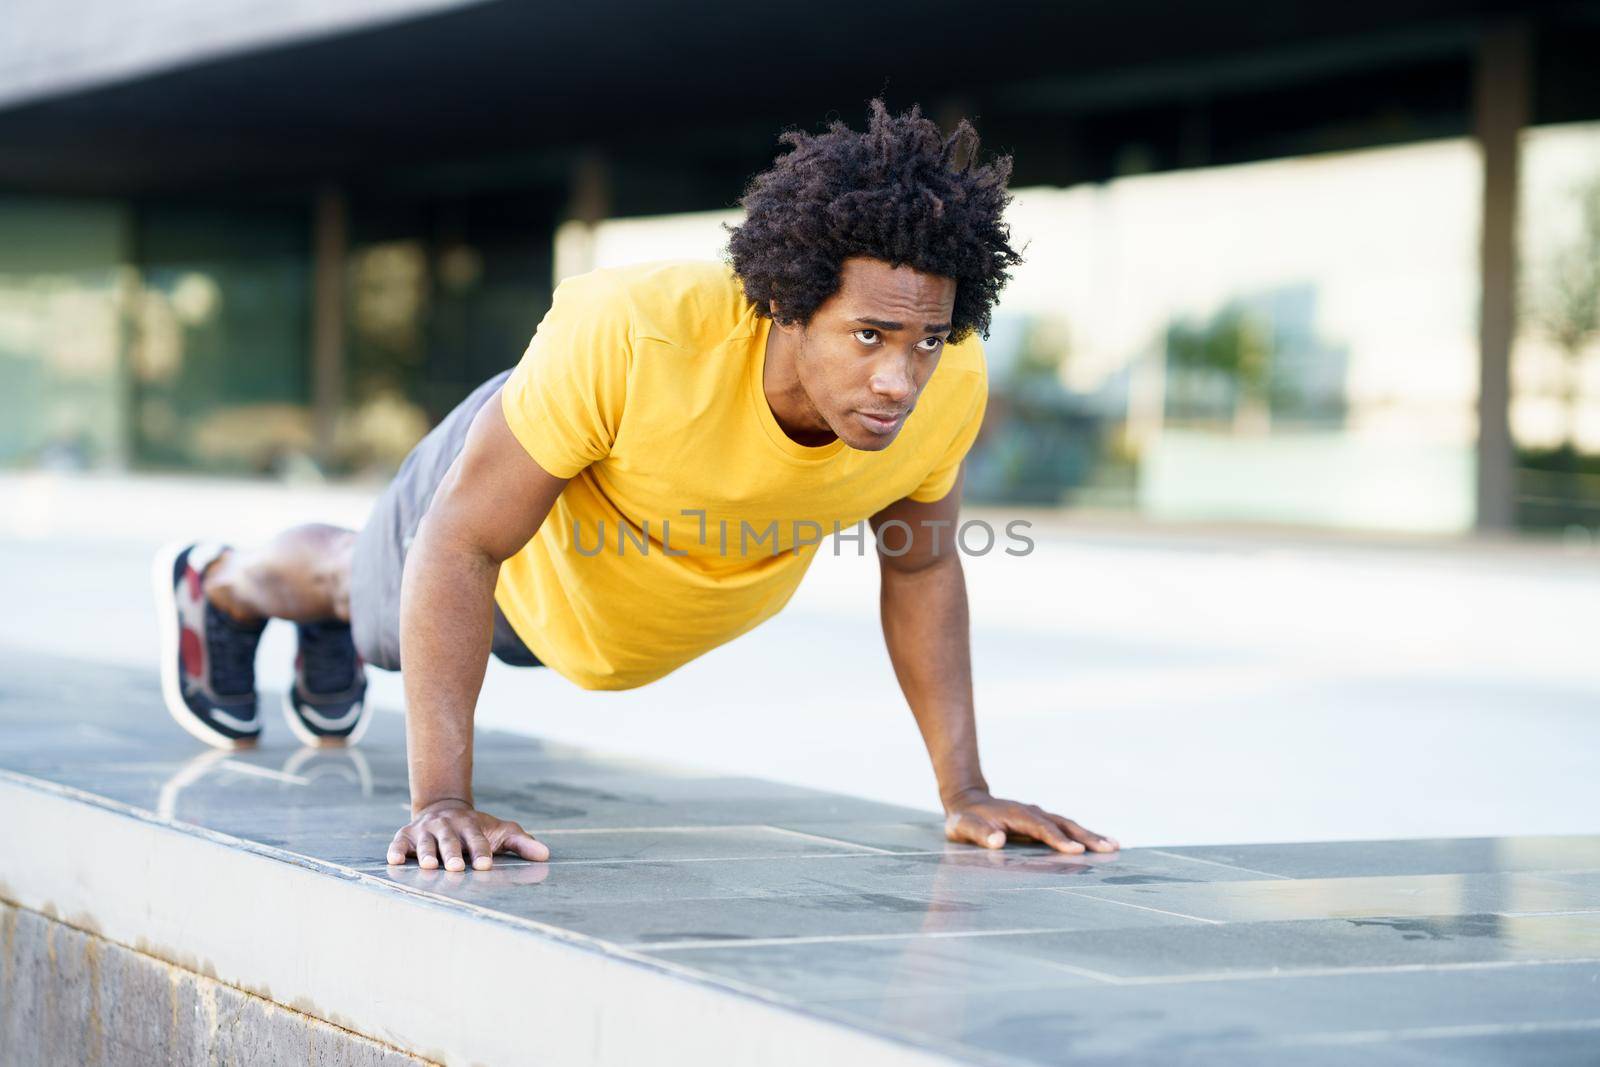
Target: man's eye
930 344
867 337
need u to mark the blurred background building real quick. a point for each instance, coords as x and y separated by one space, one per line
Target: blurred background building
1332 264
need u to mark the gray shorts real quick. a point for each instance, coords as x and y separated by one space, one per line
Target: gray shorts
380 552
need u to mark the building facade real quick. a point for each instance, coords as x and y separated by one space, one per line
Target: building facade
1273 264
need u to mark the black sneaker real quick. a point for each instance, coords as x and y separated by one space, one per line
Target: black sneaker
327 703
208 661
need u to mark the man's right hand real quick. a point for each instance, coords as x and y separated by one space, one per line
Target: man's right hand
446 829
488 505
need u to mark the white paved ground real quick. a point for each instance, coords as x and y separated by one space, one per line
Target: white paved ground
1169 687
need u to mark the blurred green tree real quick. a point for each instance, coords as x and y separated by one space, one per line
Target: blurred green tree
1566 306
1236 345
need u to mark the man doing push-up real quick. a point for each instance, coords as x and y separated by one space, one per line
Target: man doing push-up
592 509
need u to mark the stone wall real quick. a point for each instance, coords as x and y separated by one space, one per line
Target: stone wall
70 997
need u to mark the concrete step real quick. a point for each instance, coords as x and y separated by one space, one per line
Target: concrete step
695 918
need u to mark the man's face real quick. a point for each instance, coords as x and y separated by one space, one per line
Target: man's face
871 347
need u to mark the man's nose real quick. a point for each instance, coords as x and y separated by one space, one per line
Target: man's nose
893 381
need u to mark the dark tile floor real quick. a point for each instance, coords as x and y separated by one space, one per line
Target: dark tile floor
1483 951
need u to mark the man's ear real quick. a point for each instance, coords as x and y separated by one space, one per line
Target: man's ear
778 319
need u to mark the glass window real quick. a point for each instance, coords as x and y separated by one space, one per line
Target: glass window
1291 341
1555 409
61 382
218 348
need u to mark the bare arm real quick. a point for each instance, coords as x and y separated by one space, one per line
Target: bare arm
491 502
923 600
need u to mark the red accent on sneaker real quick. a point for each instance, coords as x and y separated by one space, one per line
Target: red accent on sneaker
192 578
192 653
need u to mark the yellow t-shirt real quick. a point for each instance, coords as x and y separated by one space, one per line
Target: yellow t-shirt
644 386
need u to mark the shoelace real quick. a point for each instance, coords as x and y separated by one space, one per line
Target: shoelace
232 654
328 658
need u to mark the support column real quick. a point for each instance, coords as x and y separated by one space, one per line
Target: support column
1501 96
588 205
329 245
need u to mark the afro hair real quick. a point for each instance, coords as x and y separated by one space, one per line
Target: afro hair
901 192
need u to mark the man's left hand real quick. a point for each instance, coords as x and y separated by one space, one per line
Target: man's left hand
980 819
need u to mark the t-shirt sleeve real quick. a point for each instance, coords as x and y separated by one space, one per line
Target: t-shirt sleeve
943 476
565 397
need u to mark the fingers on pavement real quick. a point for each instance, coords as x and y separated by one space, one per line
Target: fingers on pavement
427 850
399 849
1041 826
450 848
478 849
1078 832
525 845
969 828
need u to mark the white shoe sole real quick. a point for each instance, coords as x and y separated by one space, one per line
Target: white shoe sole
312 739
171 684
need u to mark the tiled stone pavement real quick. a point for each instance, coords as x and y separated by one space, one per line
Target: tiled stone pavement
1484 951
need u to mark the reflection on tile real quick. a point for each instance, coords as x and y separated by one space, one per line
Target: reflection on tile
646 881
1320 898
688 844
649 866
1346 859
1558 1046
909 966
607 861
1206 949
1035 866
1021 861
917 835
675 906
502 888
844 914
1257 1020
1587 882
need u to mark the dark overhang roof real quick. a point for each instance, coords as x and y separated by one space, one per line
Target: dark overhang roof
696 92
